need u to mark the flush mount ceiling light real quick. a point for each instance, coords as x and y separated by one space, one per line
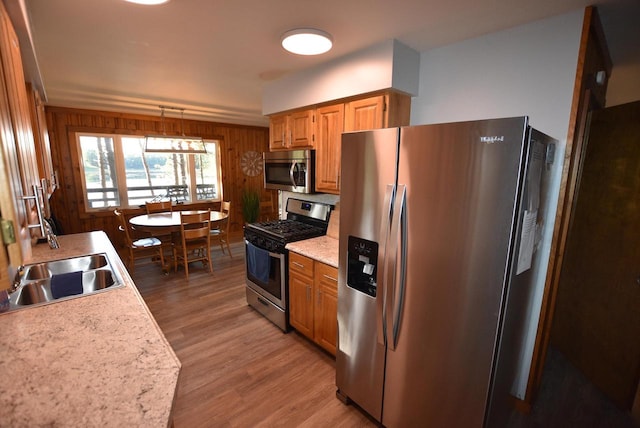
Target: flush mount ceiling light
307 41
148 2
173 143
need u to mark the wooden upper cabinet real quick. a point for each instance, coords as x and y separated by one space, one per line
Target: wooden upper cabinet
41 139
277 132
365 114
19 106
292 130
381 111
18 170
329 127
321 128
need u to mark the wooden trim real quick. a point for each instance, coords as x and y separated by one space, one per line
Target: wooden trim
399 98
635 409
521 406
135 119
581 105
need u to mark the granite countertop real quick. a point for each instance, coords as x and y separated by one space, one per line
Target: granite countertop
323 249
97 360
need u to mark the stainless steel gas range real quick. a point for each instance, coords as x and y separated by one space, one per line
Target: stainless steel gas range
267 275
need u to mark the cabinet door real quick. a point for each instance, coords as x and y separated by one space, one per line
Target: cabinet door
326 307
41 138
277 132
301 293
301 129
361 115
16 142
329 127
19 105
301 303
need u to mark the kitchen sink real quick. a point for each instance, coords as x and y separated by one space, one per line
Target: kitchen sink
34 288
56 267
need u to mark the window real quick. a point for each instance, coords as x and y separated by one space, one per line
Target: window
116 172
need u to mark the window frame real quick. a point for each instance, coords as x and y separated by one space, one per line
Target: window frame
120 169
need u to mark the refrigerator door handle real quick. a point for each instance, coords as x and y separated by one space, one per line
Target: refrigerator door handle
402 264
381 295
391 276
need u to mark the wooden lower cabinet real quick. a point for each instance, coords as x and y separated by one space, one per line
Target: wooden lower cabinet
313 300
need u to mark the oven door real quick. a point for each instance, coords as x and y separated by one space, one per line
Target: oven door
274 289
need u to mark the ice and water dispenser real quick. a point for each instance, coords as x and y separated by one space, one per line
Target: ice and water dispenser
362 265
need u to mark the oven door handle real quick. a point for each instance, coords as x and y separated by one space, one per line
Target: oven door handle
276 255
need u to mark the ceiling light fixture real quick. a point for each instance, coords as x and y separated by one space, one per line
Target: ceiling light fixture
307 41
148 2
173 144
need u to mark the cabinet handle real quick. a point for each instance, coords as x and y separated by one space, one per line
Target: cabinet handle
319 297
308 292
300 265
330 278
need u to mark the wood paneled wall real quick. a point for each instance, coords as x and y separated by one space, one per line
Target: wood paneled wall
67 202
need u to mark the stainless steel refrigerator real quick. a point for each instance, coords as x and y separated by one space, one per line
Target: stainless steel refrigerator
438 231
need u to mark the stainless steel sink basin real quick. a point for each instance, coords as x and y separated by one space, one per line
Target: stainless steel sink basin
56 267
35 286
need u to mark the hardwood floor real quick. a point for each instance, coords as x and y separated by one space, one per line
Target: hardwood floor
239 370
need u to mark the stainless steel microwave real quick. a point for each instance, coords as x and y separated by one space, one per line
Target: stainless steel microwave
291 170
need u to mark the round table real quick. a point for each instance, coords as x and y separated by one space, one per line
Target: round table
165 222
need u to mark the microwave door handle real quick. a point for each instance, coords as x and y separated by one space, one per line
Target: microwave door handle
293 168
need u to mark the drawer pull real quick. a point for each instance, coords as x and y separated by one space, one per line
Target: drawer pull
297 264
330 277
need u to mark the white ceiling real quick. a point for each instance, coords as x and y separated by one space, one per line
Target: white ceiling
213 57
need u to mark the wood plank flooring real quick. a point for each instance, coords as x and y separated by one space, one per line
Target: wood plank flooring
239 370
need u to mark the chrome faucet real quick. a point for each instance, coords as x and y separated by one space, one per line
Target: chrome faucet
52 239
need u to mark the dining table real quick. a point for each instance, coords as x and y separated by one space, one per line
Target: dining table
167 222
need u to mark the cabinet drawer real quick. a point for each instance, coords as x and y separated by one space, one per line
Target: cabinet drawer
301 264
328 276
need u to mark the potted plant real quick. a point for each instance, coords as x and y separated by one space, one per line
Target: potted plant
250 205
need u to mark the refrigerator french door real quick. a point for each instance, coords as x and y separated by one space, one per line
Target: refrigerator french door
430 224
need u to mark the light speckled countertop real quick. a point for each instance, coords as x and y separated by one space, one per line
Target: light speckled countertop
323 248
97 360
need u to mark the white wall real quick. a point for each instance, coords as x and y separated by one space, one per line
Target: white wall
389 64
524 71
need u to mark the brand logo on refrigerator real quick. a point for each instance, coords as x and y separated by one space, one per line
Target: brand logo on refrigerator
492 139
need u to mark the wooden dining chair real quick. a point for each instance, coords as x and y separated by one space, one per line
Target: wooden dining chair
194 241
139 248
157 207
268 209
220 235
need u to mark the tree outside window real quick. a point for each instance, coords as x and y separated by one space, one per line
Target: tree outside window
117 172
